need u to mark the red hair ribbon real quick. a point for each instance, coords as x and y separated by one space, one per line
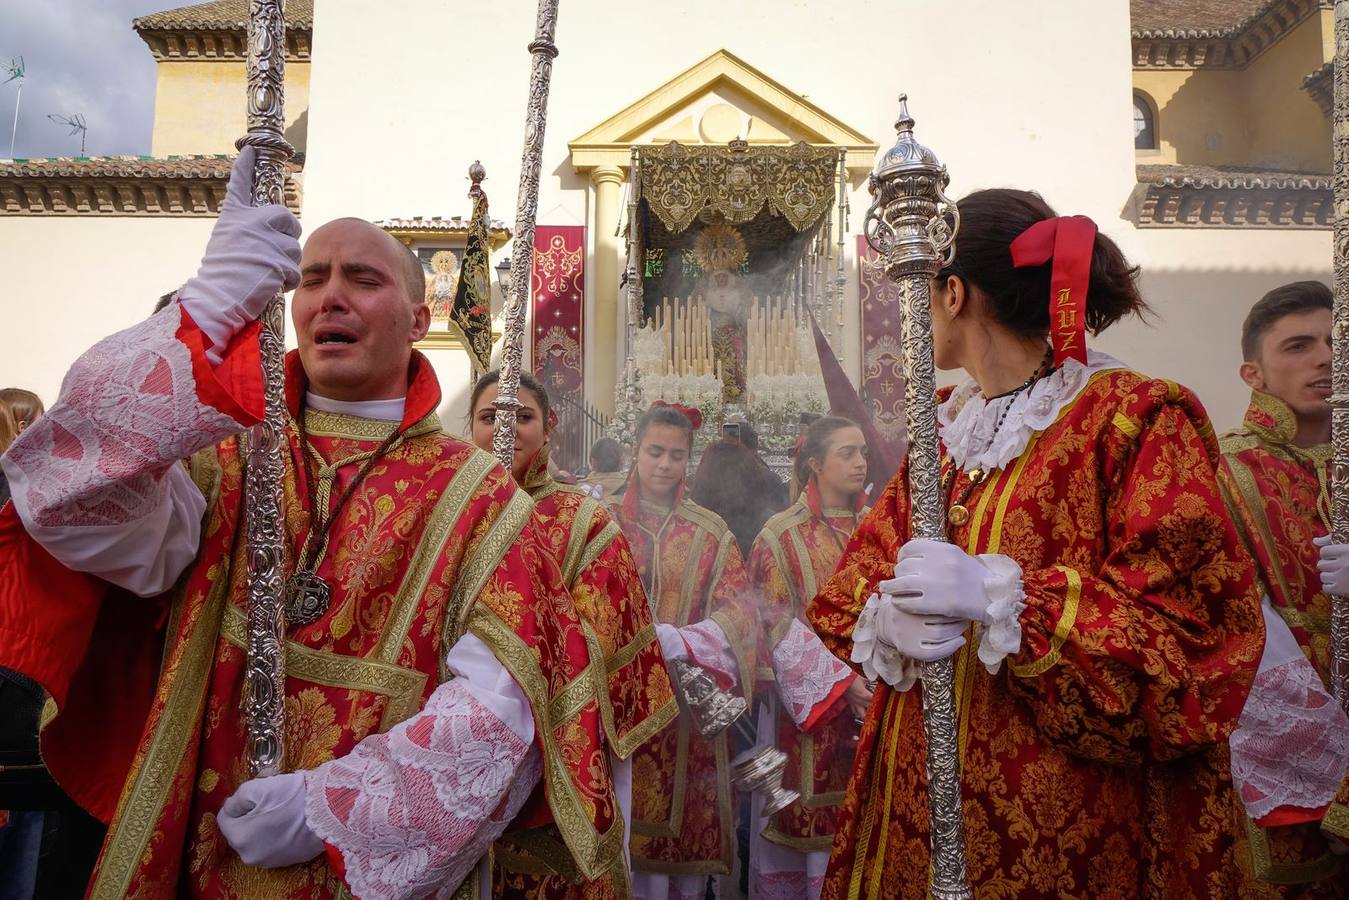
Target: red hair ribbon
694 416
1068 240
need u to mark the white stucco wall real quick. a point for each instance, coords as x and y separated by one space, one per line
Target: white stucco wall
405 94
1003 101
68 281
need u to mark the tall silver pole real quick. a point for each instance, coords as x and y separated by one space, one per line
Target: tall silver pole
264 679
522 258
1339 372
908 226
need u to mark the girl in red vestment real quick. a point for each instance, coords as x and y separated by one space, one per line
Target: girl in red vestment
1102 613
682 802
815 701
599 571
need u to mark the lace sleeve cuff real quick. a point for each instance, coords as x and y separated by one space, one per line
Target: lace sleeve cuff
809 678
878 659
1291 745
1001 636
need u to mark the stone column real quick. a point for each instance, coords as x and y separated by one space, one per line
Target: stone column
602 364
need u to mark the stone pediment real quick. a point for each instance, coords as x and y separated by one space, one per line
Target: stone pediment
714 102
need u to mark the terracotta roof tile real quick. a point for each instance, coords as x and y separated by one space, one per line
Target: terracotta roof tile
1192 18
123 185
221 14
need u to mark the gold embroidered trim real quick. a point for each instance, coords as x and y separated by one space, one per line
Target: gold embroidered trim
1316 623
809 798
1061 631
1336 820
595 549
478 568
448 511
357 428
1264 867
576 542
800 844
403 687
1254 503
674 826
143 800
1131 427
594 853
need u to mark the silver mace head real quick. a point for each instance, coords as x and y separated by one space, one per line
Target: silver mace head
760 769
911 223
713 709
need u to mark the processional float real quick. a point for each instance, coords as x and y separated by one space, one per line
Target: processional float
912 225
1339 373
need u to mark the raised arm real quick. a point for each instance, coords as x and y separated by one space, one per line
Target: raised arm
97 480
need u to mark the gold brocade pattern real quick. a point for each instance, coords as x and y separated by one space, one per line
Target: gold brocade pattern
798 182
367 664
1278 495
796 551
682 809
1094 763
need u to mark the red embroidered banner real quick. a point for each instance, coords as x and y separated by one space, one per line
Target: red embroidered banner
882 359
557 289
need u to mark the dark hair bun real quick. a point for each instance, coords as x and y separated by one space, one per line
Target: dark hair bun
1019 298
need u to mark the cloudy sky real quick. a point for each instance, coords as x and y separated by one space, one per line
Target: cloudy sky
81 56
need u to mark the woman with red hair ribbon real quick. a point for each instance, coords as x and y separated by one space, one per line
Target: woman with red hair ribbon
1103 615
683 810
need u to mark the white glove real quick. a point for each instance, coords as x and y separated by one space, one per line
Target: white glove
264 822
254 251
937 578
1333 566
672 646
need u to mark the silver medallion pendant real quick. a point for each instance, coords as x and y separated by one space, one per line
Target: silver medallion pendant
307 598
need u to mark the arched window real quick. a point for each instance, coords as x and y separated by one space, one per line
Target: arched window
1145 122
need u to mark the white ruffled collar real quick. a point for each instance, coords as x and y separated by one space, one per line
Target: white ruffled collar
966 420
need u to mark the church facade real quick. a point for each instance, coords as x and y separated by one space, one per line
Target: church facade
1195 135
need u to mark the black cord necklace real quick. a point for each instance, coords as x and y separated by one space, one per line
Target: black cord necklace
307 595
957 512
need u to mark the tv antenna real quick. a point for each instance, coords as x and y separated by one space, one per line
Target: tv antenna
14 68
76 125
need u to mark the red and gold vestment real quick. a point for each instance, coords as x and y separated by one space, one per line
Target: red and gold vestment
1093 765
637 700
435 543
1278 496
793 556
682 809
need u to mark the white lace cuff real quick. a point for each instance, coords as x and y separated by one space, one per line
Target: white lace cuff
805 672
1001 635
1291 745
878 659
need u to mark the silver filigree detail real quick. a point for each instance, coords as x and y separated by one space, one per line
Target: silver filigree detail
912 225
522 258
1339 372
264 674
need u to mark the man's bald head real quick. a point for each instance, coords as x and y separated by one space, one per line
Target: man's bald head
407 263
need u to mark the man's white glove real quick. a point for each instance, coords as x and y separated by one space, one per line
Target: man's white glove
937 578
1333 566
264 822
254 251
672 645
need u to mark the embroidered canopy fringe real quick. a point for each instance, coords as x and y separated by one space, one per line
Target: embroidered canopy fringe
799 182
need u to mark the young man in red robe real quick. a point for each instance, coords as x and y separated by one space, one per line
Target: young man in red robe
1275 481
438 684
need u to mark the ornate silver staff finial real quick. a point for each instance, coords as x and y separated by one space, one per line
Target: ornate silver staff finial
912 224
476 174
264 691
